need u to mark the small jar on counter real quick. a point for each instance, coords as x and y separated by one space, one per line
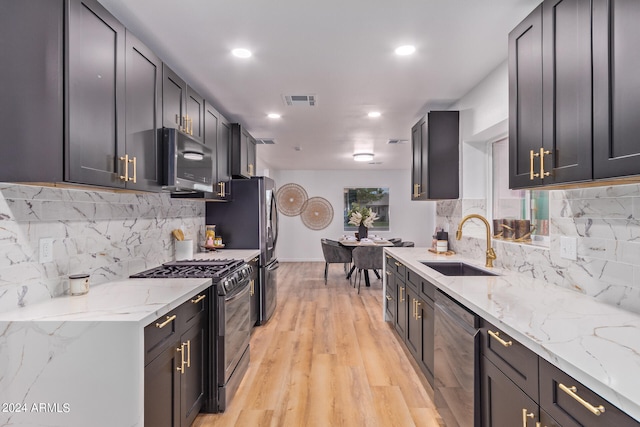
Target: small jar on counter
78 284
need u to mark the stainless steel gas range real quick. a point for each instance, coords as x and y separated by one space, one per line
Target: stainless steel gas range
229 322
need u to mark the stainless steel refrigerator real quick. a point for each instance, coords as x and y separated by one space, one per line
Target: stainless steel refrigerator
250 221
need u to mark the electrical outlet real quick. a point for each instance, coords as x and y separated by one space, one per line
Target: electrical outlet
569 248
46 250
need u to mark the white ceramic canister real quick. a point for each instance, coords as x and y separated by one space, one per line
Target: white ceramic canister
79 284
442 246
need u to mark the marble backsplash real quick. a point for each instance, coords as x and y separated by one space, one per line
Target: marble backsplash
604 220
107 234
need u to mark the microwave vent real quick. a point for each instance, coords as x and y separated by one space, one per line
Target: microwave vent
300 100
265 141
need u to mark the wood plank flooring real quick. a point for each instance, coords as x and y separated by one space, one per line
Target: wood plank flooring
327 358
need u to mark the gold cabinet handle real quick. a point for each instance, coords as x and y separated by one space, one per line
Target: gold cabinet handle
401 294
190 126
252 289
198 299
398 264
543 152
388 298
416 190
496 336
418 315
168 320
221 192
125 160
525 415
135 169
388 273
250 169
532 175
388 256
188 344
182 362
573 392
183 124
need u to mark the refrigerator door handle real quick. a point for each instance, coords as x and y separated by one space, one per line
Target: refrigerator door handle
273 266
274 219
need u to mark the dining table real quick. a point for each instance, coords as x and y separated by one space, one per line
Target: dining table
351 243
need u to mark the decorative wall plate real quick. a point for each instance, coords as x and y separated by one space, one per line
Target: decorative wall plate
291 199
317 213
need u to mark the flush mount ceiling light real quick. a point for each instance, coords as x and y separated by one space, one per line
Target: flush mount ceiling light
274 115
363 157
241 53
405 50
374 114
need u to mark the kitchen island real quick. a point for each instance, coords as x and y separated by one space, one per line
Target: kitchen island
597 344
79 360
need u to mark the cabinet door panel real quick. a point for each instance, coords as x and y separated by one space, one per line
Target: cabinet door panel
616 88
418 135
502 401
174 94
144 103
443 155
223 159
161 390
525 98
567 90
401 310
96 42
192 380
195 113
428 327
414 324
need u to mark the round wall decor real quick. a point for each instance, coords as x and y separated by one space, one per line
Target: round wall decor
291 199
317 213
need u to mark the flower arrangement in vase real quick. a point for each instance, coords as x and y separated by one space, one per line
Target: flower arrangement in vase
363 218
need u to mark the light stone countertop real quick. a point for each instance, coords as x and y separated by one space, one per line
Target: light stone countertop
596 343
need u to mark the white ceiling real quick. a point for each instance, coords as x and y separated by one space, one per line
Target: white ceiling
341 51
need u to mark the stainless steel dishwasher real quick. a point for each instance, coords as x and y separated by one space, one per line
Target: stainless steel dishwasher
457 358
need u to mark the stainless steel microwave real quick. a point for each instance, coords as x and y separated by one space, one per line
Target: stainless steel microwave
188 164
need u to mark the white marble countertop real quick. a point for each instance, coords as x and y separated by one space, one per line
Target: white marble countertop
128 300
597 344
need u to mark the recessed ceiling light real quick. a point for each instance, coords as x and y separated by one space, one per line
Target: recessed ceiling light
374 114
274 115
405 50
241 53
363 157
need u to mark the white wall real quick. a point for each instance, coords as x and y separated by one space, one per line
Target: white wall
414 221
484 116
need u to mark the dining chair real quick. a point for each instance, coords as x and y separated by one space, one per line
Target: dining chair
407 244
366 258
396 241
334 253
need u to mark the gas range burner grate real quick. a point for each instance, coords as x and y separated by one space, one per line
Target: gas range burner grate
214 269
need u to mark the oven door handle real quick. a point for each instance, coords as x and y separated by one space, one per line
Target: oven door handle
242 290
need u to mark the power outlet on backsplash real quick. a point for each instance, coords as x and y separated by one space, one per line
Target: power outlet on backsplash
569 248
46 250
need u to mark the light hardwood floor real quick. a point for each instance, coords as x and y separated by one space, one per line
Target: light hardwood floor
327 358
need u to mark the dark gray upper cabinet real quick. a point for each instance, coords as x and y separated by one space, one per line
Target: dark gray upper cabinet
435 160
216 136
525 99
243 152
616 88
573 98
67 107
143 77
96 96
550 136
31 92
182 106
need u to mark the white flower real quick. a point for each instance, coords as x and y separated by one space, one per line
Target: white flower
368 221
355 218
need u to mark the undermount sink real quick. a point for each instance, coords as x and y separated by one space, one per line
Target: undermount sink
457 269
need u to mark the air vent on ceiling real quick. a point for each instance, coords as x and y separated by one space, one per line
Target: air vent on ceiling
397 141
265 141
300 100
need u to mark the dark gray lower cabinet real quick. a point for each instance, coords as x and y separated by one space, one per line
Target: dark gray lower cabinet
175 365
504 404
401 304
